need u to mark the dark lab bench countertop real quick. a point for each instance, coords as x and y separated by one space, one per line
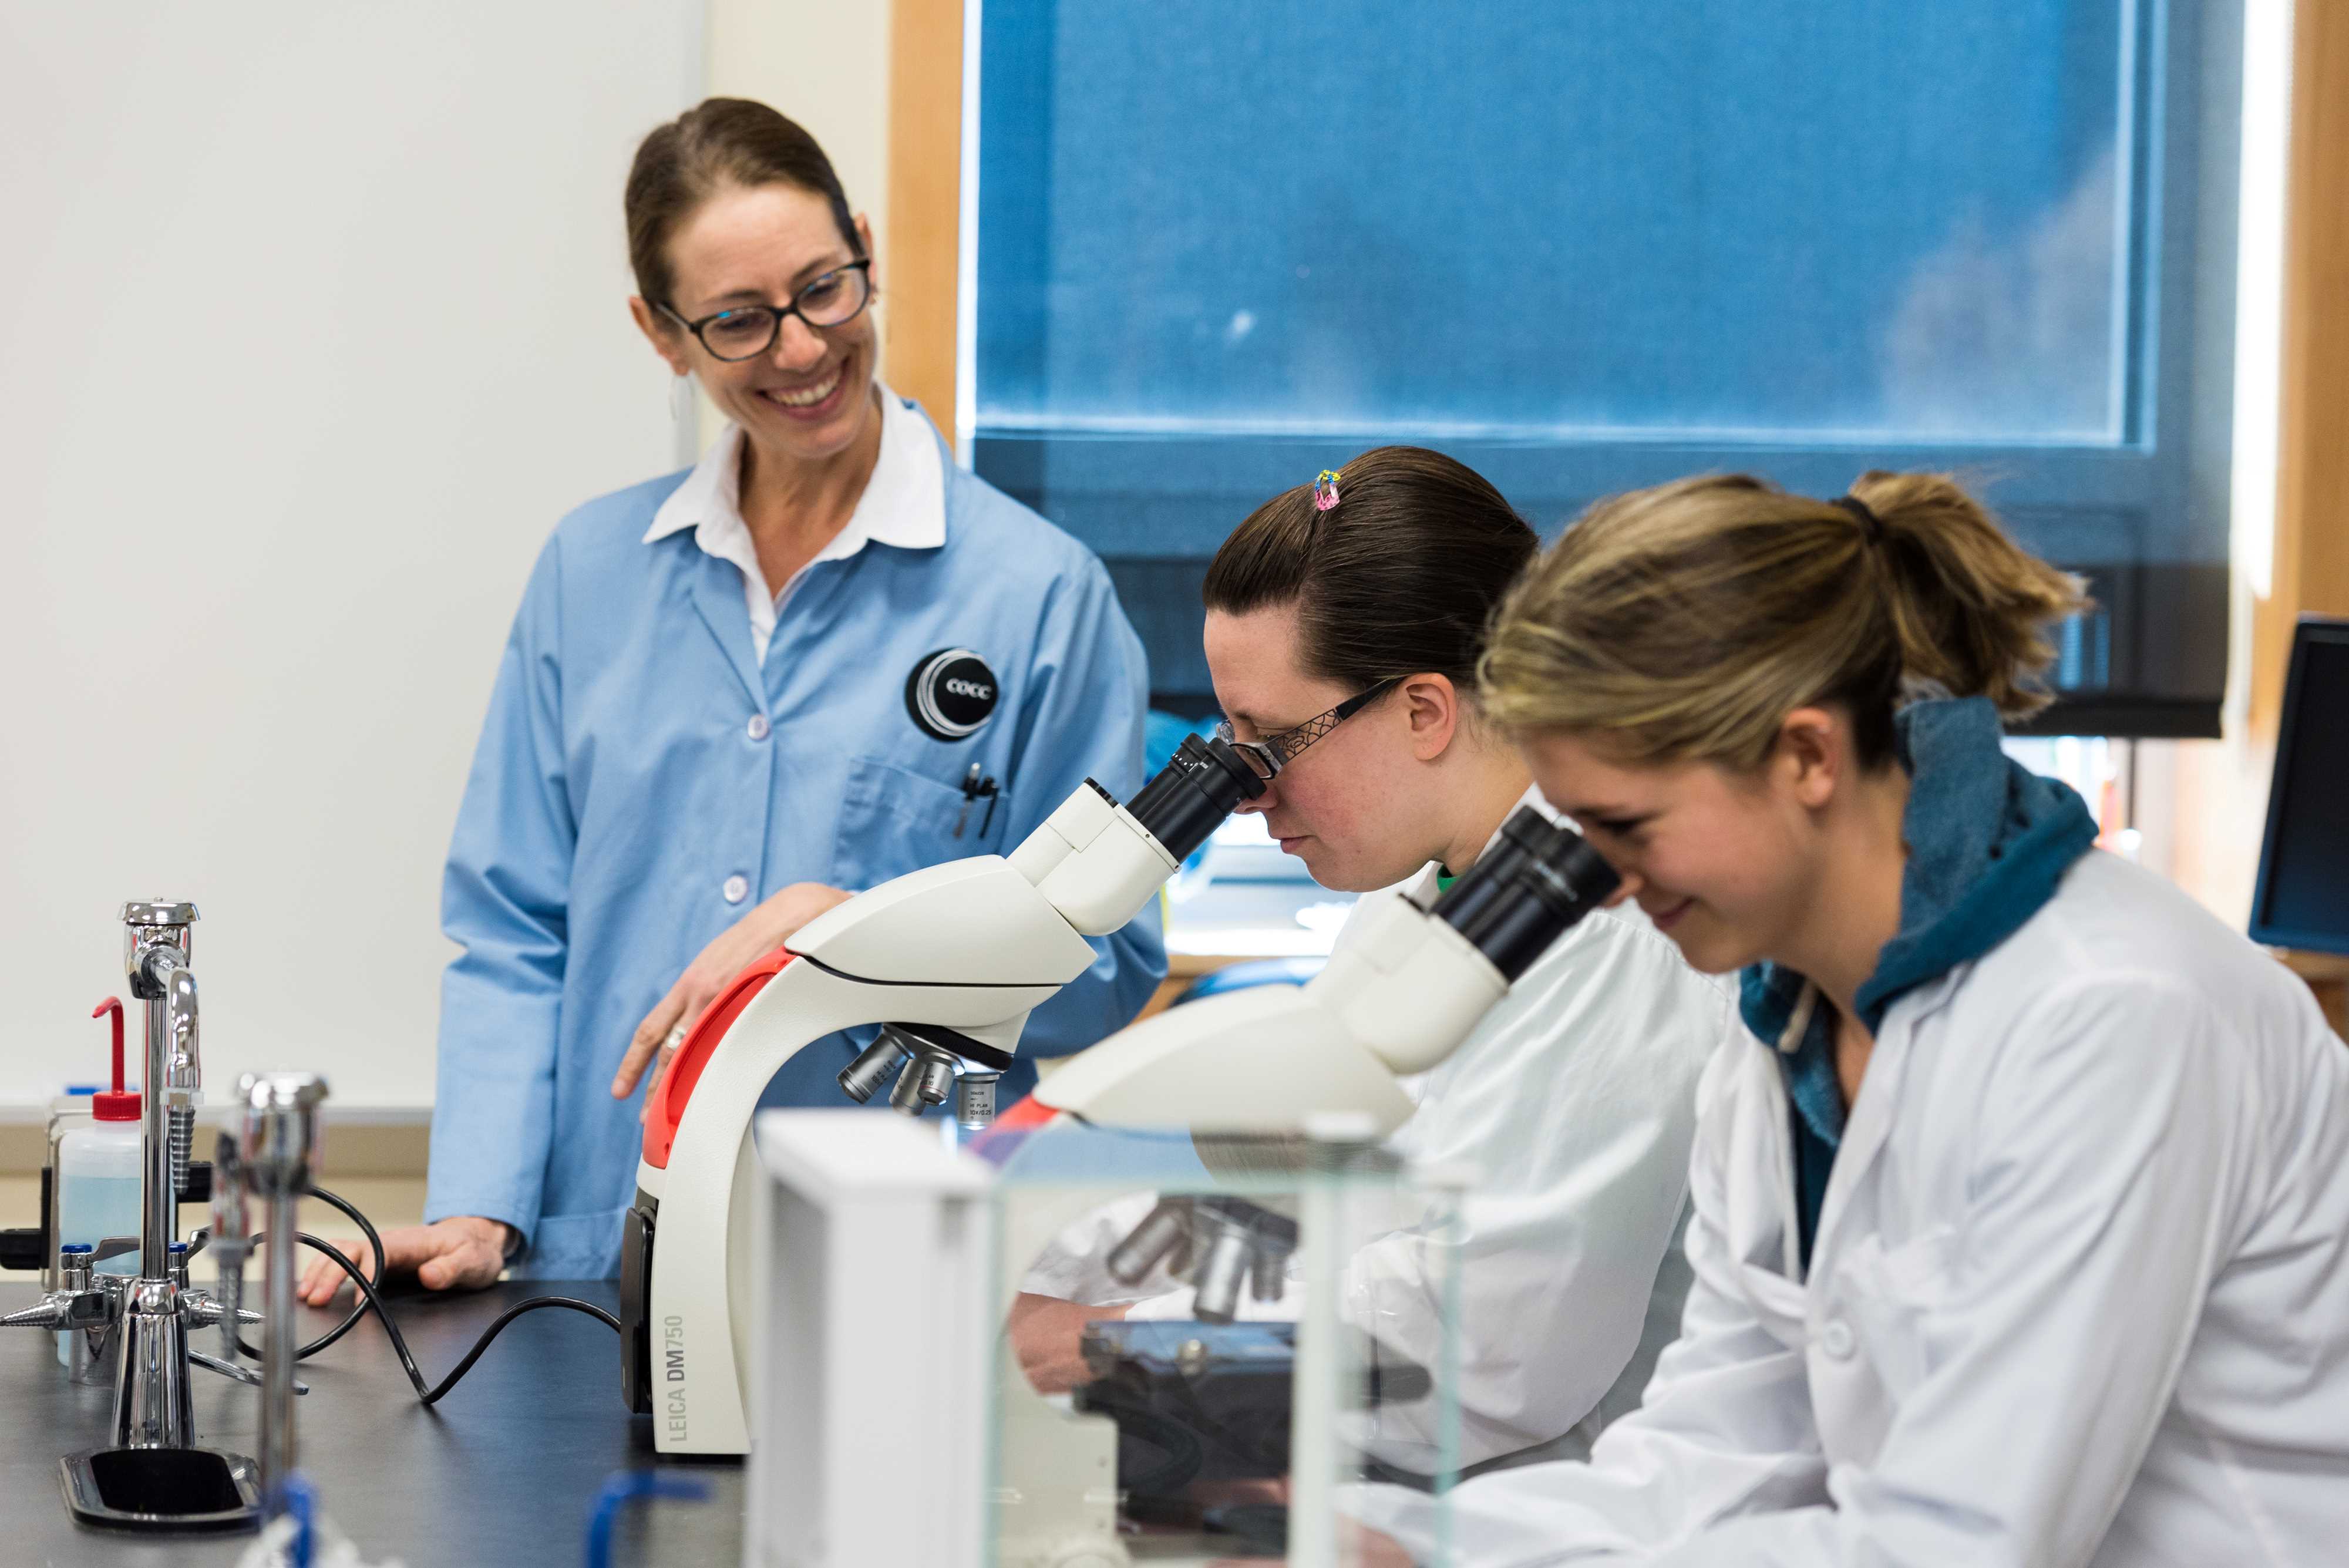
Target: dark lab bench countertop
501 1472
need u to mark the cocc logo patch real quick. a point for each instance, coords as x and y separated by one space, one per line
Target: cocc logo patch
952 694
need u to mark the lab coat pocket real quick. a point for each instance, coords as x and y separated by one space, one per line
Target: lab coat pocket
1891 1294
894 820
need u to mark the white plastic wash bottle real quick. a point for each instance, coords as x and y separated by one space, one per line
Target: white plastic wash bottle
98 1172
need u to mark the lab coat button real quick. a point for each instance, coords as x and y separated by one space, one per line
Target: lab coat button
1836 1339
758 727
737 888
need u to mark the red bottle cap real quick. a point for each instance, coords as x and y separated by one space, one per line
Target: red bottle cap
117 1107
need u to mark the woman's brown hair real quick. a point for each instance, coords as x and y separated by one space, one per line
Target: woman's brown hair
718 141
1685 622
1400 577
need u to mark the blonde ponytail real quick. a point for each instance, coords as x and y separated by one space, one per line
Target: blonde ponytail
1686 621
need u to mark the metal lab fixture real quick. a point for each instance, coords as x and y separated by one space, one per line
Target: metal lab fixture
150 1390
269 1155
145 1320
156 945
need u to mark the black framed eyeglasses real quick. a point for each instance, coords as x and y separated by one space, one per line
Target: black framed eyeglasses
833 299
1273 752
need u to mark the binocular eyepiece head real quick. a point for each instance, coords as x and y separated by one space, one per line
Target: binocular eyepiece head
1189 799
1522 894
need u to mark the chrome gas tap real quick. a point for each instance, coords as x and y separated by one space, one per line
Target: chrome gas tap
156 945
146 1319
150 1386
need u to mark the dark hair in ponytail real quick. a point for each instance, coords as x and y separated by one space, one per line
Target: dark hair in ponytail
1400 577
718 141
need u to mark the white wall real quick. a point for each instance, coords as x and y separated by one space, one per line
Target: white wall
826 65
311 325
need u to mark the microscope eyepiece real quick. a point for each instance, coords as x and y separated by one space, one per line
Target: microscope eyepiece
1188 798
1526 891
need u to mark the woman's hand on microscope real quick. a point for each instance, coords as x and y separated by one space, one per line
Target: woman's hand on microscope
767 926
462 1252
1047 1333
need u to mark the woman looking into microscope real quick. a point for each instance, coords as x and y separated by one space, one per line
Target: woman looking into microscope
1344 622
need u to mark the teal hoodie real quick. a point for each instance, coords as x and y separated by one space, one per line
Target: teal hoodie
1989 841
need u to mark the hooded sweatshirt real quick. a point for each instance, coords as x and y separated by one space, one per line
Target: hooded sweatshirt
1988 842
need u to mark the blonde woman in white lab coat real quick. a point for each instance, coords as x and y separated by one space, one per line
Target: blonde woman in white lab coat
2022 1217
1345 636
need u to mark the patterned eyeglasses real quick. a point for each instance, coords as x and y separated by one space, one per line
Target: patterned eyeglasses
1275 751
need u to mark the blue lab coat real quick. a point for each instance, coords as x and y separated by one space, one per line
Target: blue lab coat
618 787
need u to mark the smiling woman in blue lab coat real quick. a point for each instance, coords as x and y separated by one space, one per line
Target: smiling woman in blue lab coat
824 656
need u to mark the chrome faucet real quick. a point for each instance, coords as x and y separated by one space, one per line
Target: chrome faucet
156 946
146 1320
150 1387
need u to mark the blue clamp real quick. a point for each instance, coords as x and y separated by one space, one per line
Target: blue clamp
623 1487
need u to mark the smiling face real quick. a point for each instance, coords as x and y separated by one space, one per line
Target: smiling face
1728 865
1354 806
809 397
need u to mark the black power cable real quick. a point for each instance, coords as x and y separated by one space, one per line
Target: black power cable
368 1298
408 1361
374 1241
252 1243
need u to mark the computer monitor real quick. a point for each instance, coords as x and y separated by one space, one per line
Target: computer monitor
2304 892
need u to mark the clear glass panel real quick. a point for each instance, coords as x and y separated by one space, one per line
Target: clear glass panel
1755 218
1186 1374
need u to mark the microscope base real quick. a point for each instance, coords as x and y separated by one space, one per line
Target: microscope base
162 1491
637 1376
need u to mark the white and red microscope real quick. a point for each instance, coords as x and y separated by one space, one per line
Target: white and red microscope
949 960
881 1364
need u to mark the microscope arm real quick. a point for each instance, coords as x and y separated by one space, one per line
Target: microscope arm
1014 923
1400 996
961 951
1263 1059
1014 926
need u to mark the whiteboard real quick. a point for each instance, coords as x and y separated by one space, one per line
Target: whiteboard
312 324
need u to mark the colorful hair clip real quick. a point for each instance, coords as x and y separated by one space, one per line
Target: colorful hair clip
1325 490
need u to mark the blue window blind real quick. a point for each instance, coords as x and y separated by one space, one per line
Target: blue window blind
1589 245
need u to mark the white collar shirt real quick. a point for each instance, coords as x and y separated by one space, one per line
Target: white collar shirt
904 505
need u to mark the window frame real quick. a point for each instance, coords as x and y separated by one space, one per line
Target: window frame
2146 517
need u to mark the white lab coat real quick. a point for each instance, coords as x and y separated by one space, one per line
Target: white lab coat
2079 1292
1574 1101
